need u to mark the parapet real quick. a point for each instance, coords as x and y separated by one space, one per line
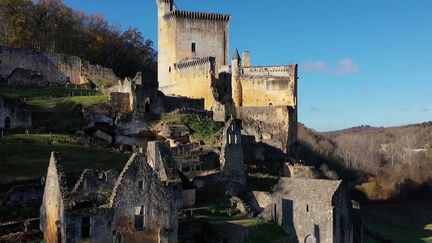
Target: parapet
283 70
197 15
188 63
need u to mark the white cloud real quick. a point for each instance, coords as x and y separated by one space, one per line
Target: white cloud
342 67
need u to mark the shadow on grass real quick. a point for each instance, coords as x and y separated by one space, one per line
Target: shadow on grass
406 222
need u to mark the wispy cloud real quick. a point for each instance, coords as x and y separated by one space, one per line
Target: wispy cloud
314 109
342 67
424 109
402 109
318 66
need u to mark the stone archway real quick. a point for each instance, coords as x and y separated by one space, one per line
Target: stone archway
7 123
310 239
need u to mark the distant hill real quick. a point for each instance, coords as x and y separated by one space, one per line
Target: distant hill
353 130
383 162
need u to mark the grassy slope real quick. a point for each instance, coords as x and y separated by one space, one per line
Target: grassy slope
67 103
31 92
23 158
400 222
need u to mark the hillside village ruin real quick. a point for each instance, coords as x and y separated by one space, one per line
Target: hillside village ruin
169 173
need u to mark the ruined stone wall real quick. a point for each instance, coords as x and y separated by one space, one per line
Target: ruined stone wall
231 158
194 79
14 112
140 186
275 126
305 209
49 68
125 87
99 71
100 225
265 86
93 181
55 68
52 209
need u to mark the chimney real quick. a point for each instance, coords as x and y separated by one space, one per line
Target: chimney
246 59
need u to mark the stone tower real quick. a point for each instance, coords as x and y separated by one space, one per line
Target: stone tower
165 54
235 80
187 41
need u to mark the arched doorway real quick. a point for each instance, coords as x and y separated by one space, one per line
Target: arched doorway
147 106
7 123
310 239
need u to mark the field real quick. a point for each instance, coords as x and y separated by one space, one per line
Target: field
410 222
24 157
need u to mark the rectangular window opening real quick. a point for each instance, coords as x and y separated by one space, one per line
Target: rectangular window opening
85 228
140 185
193 47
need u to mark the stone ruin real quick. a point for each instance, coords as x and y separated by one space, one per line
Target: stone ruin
134 206
14 113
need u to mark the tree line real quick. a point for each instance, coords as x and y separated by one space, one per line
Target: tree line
51 26
382 163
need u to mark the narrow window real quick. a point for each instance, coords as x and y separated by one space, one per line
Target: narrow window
85 227
193 47
140 185
307 207
139 217
169 69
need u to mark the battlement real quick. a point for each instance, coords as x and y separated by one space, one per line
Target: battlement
189 63
269 70
197 15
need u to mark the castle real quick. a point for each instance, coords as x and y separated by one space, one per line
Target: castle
193 61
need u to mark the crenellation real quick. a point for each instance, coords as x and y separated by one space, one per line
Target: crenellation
197 16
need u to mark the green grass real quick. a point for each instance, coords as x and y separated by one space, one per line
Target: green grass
99 82
411 222
67 103
43 139
265 231
62 114
227 223
202 128
28 161
31 92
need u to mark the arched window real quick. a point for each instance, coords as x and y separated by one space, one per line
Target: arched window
147 106
7 123
310 239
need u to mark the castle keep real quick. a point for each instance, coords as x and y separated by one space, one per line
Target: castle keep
193 62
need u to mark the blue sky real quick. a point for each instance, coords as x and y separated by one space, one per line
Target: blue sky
363 62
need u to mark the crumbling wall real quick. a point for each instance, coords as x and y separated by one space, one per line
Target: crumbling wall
45 68
100 225
231 157
52 210
54 67
14 113
139 186
275 126
92 181
107 74
306 209
264 86
121 101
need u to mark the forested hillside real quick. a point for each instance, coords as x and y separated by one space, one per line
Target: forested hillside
384 163
51 26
